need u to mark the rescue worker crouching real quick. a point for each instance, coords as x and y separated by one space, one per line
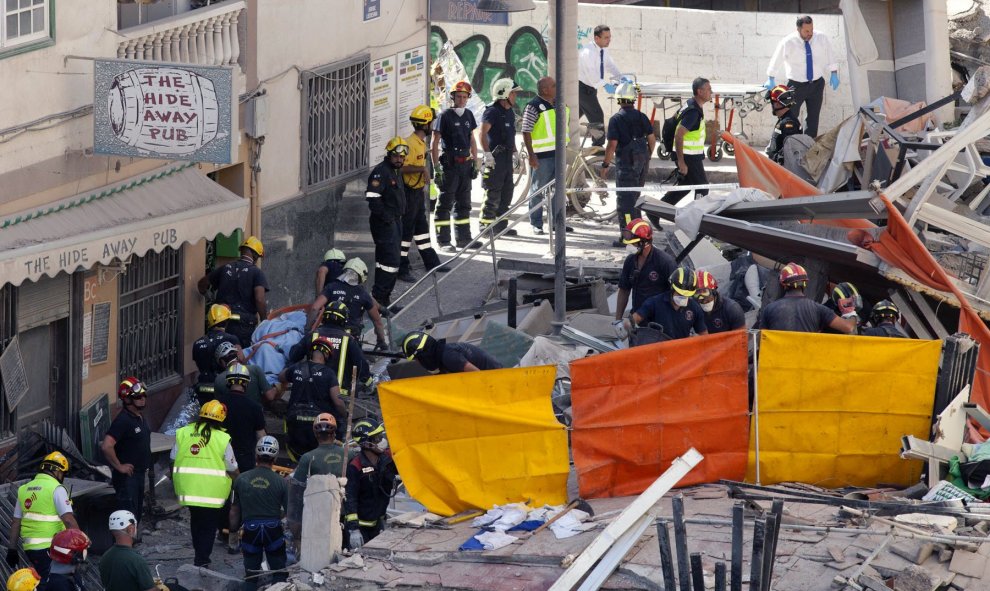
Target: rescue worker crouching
721 314
349 288
455 169
884 318
331 268
387 202
67 552
795 312
203 467
371 478
437 355
631 141
674 313
781 100
314 391
415 174
645 271
498 143
43 510
242 286
205 349
347 353
260 500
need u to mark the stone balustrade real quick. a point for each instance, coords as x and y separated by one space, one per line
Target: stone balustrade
207 36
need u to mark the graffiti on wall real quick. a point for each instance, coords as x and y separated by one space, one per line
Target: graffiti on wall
524 60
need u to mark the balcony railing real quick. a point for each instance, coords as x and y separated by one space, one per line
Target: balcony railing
207 36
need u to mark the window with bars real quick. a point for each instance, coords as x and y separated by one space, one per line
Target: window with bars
8 329
26 22
151 318
335 122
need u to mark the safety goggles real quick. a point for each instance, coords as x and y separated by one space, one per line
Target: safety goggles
399 150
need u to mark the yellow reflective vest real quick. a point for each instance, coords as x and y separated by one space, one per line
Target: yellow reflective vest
544 131
200 472
694 141
39 517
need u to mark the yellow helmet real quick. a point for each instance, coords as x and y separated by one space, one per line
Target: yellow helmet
396 145
422 115
255 245
26 579
218 313
55 461
215 410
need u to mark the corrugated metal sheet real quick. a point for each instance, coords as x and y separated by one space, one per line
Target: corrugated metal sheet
42 302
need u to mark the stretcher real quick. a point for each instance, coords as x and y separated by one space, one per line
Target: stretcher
728 99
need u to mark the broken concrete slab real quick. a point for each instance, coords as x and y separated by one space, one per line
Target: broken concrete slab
968 563
916 552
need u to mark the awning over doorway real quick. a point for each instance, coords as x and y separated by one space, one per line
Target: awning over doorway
163 208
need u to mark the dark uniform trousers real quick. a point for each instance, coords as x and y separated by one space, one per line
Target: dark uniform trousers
591 109
243 328
695 176
415 227
386 233
812 93
455 193
630 172
498 186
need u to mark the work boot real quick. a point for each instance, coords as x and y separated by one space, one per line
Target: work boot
448 248
406 276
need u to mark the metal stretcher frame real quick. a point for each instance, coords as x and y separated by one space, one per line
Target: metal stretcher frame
727 97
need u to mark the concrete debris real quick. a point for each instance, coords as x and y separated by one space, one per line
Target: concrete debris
353 561
200 578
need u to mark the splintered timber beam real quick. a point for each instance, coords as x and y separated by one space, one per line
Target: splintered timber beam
626 520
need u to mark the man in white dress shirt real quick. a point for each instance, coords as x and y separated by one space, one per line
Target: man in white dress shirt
594 64
805 56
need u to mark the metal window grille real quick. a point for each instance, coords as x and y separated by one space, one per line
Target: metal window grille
8 328
150 317
335 122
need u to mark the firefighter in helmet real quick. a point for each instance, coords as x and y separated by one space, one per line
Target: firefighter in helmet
370 480
415 177
455 168
387 202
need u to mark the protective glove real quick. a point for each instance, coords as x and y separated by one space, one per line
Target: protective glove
12 558
474 168
770 83
620 329
834 81
356 539
488 160
610 88
517 163
626 79
438 177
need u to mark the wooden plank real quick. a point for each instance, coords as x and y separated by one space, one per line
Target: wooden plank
626 520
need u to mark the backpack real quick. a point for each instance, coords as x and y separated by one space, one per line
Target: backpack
669 130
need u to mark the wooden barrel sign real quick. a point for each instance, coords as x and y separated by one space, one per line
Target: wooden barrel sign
164 110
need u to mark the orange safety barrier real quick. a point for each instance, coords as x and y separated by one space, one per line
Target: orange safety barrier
637 409
897 245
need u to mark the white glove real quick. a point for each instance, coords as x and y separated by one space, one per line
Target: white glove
488 160
620 329
517 162
356 539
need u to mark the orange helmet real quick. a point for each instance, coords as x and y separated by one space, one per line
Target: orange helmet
461 86
706 281
639 230
324 423
793 275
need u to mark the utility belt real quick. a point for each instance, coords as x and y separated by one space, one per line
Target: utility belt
501 149
448 159
262 535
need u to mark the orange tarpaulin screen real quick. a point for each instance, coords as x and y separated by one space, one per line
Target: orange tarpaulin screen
897 245
637 409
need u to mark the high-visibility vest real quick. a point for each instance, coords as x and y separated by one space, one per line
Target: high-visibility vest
544 133
39 518
694 141
200 472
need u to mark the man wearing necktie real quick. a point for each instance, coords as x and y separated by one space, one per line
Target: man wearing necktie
805 56
596 69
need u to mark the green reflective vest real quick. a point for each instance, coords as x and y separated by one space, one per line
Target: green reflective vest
200 473
694 141
544 131
39 519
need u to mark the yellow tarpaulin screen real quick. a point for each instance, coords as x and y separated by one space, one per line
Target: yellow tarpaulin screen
477 439
833 408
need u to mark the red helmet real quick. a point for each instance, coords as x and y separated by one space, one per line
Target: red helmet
784 95
707 281
324 345
462 86
131 386
793 275
69 546
639 230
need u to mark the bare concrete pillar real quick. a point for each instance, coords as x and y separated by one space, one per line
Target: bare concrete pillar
938 82
570 61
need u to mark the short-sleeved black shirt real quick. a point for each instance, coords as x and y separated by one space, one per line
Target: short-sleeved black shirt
503 127
725 316
204 353
356 297
133 437
451 357
676 324
455 131
649 280
795 313
627 124
386 194
244 419
334 269
691 115
235 283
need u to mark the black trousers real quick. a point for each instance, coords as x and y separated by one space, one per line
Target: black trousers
130 491
40 560
386 234
695 176
416 228
454 194
625 201
591 109
498 190
242 329
812 93
252 560
203 523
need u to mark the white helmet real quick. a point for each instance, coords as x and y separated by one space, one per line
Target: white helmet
626 91
503 87
119 520
267 447
358 266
